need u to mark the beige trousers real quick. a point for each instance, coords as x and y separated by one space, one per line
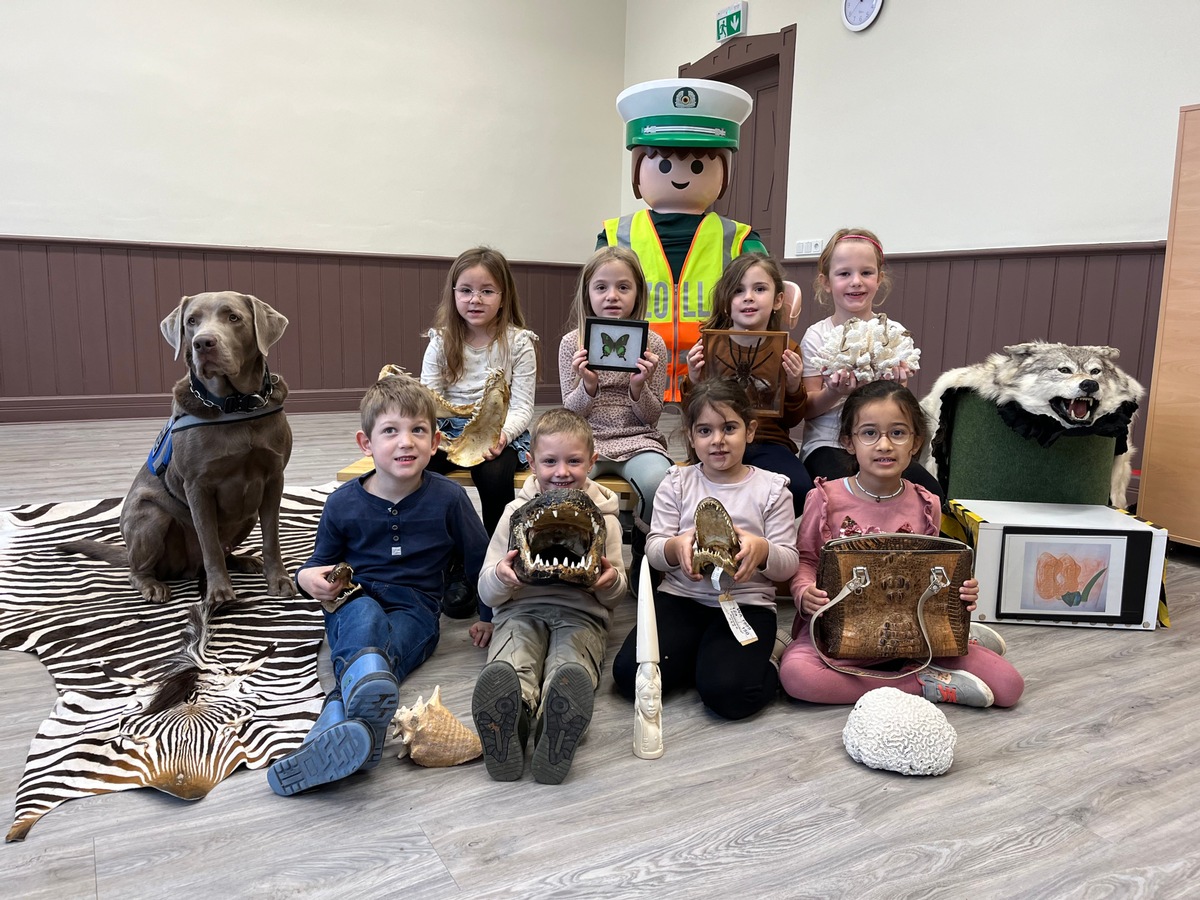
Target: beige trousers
539 637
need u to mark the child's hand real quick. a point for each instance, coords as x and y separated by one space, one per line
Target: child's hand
481 633
495 451
812 600
591 381
506 573
793 370
646 365
752 555
842 382
678 551
900 374
969 594
608 576
313 581
695 362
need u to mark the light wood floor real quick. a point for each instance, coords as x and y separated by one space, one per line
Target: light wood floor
1088 788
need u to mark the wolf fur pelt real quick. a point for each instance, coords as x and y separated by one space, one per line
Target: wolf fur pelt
1044 391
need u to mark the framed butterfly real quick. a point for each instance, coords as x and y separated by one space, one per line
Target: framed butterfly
610 344
615 344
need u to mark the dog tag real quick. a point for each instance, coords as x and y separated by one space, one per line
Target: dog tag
737 622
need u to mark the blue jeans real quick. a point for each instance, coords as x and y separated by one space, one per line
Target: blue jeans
399 621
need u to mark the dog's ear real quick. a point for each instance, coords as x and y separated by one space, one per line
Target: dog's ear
1104 352
172 326
268 324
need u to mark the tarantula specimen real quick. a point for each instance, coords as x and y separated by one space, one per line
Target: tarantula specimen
751 366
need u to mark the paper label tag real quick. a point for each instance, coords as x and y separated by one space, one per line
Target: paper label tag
737 622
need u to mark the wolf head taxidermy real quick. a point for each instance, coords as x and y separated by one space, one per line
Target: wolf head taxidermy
1044 392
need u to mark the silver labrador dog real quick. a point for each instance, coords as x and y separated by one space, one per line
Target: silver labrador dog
217 467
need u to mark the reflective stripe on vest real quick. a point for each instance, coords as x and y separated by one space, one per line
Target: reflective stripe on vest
676 312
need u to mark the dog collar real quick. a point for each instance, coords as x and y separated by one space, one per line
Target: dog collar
236 403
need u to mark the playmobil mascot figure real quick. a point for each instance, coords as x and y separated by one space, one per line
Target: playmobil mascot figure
683 132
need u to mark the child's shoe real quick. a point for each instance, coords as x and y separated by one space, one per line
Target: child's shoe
371 693
988 638
502 720
783 640
954 686
334 748
566 714
460 599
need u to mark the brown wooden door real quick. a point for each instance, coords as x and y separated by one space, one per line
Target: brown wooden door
763 66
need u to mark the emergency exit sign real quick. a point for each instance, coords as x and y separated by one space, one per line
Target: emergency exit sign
731 22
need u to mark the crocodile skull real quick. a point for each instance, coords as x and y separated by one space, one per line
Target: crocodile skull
559 535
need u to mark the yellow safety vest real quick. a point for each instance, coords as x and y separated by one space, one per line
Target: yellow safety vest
677 310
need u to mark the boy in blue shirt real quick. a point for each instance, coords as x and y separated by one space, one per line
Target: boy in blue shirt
396 527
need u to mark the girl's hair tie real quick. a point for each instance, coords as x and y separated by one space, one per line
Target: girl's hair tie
861 237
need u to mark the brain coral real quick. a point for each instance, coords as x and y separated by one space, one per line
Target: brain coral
889 729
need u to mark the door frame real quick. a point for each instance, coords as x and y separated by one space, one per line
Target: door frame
742 55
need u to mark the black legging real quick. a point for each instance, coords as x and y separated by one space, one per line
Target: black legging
832 463
493 479
697 648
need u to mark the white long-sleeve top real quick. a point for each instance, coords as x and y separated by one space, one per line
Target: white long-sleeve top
520 369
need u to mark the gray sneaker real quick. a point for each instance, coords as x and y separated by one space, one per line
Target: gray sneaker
988 638
954 686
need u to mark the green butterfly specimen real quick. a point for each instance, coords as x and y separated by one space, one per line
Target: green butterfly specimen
613 345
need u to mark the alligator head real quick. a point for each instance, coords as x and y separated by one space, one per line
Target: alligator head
559 536
716 542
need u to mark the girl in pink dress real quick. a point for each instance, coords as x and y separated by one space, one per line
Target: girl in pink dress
882 428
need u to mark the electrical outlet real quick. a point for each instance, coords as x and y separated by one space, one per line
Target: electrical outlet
809 248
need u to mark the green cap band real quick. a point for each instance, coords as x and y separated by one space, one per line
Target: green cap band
682 131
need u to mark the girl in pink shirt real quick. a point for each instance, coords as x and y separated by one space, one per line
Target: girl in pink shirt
883 428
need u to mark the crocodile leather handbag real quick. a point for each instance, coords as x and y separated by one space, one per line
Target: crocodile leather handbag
894 596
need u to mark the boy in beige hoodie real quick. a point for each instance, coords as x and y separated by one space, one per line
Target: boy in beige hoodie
545 655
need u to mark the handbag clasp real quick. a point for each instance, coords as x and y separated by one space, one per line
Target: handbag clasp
938 578
860 580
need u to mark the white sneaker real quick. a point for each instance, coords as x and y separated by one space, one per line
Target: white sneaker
988 638
783 638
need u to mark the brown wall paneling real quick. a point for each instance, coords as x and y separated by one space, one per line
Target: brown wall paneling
82 338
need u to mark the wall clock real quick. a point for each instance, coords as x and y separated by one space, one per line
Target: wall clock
858 15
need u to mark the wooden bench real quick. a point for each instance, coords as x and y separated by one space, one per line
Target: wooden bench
618 486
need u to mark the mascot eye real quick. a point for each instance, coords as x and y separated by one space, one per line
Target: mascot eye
1066 370
697 167
664 166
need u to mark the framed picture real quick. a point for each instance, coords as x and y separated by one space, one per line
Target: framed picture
615 344
1061 576
752 358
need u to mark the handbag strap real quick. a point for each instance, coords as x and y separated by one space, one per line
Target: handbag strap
938 581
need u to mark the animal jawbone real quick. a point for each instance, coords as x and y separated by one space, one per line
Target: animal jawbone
559 536
716 543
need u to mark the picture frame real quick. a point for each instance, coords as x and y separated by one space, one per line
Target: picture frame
1062 576
752 358
615 344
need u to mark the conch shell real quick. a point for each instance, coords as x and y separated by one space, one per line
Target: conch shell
432 736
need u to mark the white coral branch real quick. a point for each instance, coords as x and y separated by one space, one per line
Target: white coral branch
868 349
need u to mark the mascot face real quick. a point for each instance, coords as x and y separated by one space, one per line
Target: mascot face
682 183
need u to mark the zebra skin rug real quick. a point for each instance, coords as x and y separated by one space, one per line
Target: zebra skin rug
108 650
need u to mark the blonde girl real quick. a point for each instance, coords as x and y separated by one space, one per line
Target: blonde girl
622 408
479 327
852 278
749 297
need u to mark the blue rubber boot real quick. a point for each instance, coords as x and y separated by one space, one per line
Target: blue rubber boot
371 693
334 748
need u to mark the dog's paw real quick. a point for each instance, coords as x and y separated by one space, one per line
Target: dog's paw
281 587
152 590
218 595
244 565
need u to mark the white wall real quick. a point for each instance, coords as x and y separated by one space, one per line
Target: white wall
951 124
372 125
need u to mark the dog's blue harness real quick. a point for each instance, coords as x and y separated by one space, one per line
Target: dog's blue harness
231 409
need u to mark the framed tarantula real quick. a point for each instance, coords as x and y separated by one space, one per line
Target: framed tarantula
754 359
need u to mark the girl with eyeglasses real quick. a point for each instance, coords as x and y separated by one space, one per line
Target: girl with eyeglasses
852 277
882 428
479 327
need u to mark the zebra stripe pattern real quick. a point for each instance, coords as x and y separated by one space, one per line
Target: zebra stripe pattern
108 650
